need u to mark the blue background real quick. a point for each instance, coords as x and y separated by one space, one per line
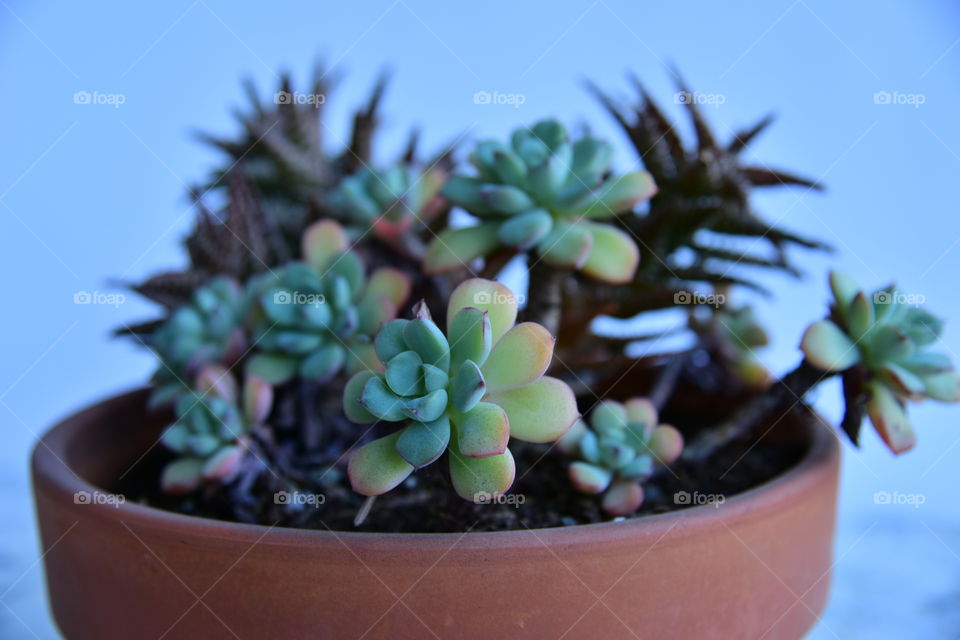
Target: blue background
92 193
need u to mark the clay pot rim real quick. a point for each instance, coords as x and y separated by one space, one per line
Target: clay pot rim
51 474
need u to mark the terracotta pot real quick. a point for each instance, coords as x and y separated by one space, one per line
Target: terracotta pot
757 566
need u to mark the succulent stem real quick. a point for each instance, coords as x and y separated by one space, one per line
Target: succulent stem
364 511
545 296
788 389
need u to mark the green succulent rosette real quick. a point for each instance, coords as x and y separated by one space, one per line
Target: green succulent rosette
618 450
208 330
316 317
544 193
390 202
465 392
211 429
882 344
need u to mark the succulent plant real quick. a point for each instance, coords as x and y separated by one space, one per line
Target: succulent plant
207 330
546 193
312 318
737 335
467 392
882 346
389 202
620 448
211 429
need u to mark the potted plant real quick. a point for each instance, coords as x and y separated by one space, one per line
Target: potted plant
356 430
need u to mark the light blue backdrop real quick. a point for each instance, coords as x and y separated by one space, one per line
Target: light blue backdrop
90 193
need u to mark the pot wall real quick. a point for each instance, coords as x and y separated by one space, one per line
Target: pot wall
757 566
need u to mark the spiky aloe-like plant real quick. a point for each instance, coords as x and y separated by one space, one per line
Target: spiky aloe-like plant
548 194
466 392
312 318
621 447
212 426
882 346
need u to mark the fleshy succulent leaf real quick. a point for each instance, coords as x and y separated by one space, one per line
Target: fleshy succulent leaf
376 467
590 478
889 419
457 248
478 479
486 295
622 498
467 387
352 392
541 411
827 347
483 431
322 241
613 256
521 356
471 337
422 443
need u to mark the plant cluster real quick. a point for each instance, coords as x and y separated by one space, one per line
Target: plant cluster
300 339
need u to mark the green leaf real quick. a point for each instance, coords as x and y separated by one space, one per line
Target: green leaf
567 245
471 337
642 411
479 479
422 443
223 465
404 374
844 289
426 408
828 348
352 408
591 158
257 399
541 411
613 256
521 356
321 241
620 194
944 387
483 431
505 199
623 498
426 338
889 419
525 230
546 180
182 476
274 368
888 342
390 282
324 363
434 378
509 168
467 387
665 444
466 192
589 478
486 295
457 248
608 417
376 467
380 401
389 340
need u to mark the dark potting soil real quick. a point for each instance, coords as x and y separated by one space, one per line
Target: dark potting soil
541 496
